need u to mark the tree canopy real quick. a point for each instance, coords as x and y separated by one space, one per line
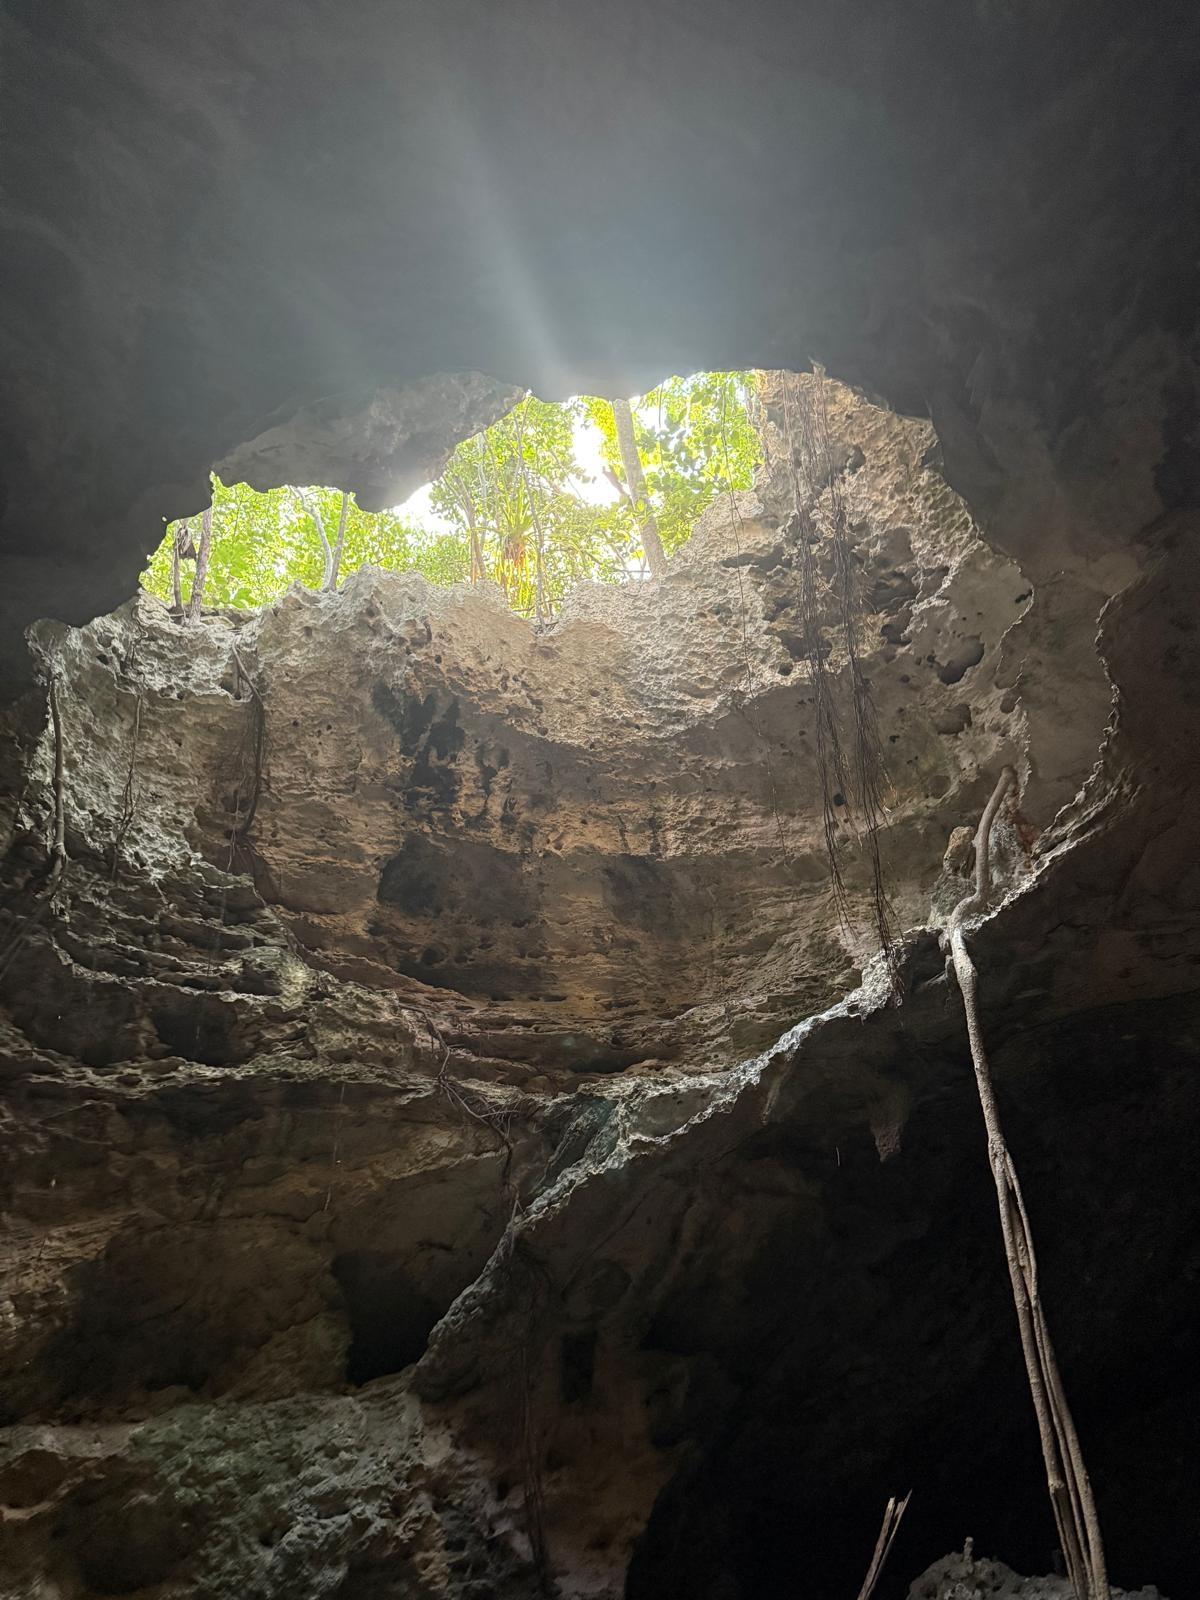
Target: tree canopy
515 505
696 440
513 494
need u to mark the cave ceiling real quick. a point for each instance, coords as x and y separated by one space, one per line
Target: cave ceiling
216 220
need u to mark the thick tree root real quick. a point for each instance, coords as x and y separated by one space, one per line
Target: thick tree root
894 1510
1066 1476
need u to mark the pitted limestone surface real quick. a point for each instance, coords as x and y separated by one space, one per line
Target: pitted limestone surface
438 1010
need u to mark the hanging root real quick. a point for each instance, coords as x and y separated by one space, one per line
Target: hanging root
252 749
831 763
128 795
257 738
335 1159
510 1259
58 847
1066 1476
243 853
893 1512
531 1456
494 1122
810 452
58 837
868 747
747 710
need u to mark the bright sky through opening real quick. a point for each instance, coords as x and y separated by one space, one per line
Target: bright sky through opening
590 485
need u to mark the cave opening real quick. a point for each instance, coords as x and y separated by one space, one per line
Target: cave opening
724 459
485 1107
613 839
550 494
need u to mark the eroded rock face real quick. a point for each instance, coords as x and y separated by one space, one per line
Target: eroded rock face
451 1150
964 1578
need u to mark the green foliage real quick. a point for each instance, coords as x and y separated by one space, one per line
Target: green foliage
261 543
509 491
695 439
507 494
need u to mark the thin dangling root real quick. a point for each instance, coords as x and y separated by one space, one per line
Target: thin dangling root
822 518
128 794
831 763
58 848
1070 1489
58 838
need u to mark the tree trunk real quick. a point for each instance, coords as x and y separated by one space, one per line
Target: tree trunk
181 545
651 543
318 522
539 593
197 598
341 540
477 572
176 580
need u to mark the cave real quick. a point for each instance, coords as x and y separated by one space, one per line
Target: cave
489 1108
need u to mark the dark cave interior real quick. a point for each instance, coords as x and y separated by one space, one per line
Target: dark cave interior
791 1487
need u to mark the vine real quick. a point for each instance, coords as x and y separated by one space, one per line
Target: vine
58 847
531 1450
58 860
831 762
251 745
747 711
128 796
810 452
508 1255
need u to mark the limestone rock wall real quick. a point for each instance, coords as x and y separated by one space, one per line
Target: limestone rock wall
965 1578
695 1264
449 1148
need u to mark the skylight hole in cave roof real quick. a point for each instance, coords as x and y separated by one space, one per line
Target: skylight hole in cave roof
694 433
